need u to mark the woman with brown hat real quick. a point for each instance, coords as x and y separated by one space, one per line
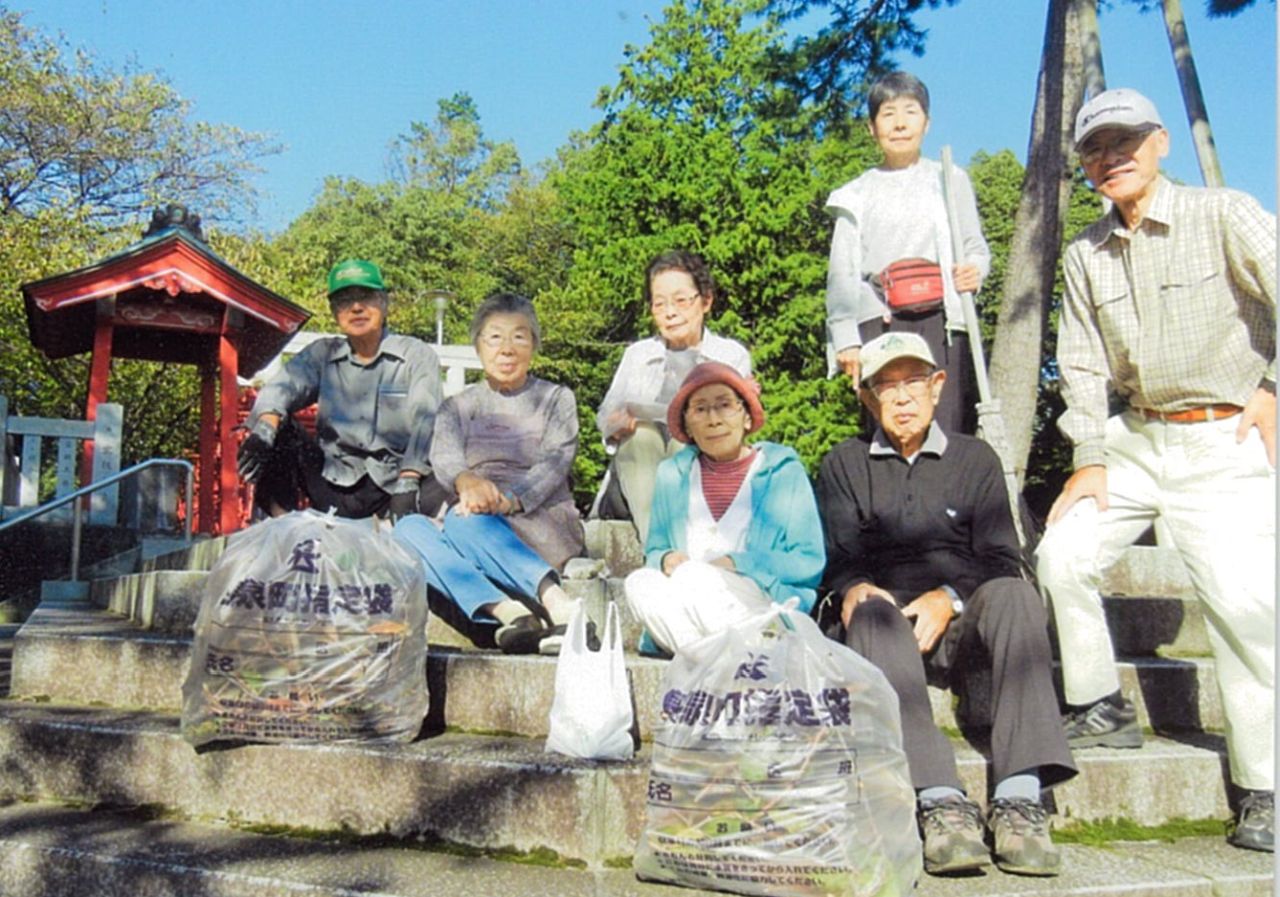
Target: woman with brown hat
734 527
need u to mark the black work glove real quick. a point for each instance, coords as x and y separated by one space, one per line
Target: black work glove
404 498
255 451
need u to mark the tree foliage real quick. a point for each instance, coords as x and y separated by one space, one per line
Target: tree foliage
85 152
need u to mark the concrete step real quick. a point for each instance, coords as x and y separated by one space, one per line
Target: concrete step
81 655
53 851
482 791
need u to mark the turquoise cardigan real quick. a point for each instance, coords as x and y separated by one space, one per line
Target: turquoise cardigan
784 553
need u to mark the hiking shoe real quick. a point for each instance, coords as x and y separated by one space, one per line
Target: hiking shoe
952 832
1020 831
1103 724
521 636
1255 827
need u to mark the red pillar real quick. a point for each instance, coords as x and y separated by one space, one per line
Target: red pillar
228 484
209 471
99 373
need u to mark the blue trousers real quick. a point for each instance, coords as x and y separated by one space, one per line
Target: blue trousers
474 561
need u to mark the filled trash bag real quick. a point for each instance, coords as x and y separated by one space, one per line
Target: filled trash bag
778 769
312 628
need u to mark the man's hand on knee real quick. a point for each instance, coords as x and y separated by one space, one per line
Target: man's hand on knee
1087 482
856 594
931 613
1260 412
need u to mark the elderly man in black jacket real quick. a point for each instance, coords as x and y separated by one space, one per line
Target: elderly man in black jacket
923 560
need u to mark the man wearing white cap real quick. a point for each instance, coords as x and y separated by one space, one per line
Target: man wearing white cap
1170 305
923 560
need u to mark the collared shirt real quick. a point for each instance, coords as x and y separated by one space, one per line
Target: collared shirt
1175 314
908 527
643 370
374 417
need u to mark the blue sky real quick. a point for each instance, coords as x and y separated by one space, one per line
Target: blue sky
336 82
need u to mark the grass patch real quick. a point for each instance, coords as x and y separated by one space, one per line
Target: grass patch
1107 831
539 856
618 863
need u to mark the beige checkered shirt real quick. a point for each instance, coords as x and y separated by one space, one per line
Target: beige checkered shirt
1176 314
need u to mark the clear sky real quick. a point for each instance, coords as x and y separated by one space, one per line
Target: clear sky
336 82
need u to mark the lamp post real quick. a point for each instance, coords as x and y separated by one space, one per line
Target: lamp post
441 298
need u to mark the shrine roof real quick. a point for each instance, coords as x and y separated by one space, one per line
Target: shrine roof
173 297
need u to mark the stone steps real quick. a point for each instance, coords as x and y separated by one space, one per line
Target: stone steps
79 655
53 851
482 791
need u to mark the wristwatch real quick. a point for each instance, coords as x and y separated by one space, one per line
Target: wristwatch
1268 384
957 604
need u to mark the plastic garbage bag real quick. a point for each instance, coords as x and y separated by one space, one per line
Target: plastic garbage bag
312 628
778 769
591 714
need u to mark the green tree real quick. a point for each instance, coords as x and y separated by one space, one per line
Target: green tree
85 153
691 153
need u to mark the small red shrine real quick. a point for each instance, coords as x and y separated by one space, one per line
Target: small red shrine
170 298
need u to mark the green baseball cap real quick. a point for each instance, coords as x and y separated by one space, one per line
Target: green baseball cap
355 273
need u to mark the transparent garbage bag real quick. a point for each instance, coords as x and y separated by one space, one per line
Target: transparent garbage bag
312 628
778 769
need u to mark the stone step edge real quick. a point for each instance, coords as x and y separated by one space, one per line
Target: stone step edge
74 842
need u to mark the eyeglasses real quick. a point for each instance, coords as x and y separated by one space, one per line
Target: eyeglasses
1123 143
496 340
680 303
915 386
725 409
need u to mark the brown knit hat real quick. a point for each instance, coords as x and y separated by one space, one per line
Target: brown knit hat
703 375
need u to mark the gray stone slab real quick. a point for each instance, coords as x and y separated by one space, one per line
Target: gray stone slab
474 789
1169 627
1148 571
52 851
162 600
86 657
201 554
483 792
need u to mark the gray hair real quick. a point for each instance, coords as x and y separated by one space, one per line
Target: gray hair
506 304
895 85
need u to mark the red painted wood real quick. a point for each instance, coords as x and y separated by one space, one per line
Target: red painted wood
207 501
99 374
228 481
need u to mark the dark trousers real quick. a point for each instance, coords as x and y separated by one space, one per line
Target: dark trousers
1003 624
297 466
957 411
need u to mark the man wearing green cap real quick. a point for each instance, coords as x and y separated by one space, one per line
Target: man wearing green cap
378 393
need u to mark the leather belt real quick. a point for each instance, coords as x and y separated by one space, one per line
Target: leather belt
1192 415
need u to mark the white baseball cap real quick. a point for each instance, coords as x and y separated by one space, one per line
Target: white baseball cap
1118 108
890 347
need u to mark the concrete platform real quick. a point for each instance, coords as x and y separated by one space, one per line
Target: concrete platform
54 851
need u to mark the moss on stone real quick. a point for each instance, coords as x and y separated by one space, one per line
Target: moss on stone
1100 833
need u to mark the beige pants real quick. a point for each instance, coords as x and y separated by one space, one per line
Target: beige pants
1217 499
636 466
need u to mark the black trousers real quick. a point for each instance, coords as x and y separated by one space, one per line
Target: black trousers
296 467
1003 625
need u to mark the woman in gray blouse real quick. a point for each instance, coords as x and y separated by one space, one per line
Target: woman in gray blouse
503 449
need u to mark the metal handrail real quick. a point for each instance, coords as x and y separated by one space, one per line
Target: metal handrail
94 487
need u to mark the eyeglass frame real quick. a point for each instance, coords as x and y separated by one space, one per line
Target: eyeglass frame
1121 146
722 410
679 303
915 386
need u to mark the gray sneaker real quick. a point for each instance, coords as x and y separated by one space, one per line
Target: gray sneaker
1255 827
952 830
1020 830
1103 724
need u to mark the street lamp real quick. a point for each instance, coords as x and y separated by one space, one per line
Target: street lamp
441 298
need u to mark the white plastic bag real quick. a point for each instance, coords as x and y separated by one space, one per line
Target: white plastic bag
312 628
591 715
778 769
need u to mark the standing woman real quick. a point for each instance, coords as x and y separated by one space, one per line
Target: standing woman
735 526
503 448
633 416
895 213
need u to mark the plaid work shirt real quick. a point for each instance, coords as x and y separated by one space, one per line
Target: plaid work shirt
1178 313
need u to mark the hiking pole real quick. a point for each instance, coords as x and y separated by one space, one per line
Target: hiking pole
990 419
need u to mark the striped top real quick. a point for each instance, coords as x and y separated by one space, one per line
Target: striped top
721 481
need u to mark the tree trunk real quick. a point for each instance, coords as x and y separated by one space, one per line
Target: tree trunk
1095 78
1197 115
1037 235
